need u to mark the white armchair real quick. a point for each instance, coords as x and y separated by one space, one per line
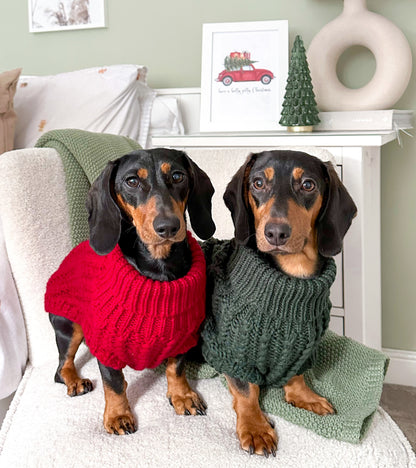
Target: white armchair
44 427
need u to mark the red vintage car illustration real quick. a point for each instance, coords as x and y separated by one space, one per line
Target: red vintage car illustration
246 73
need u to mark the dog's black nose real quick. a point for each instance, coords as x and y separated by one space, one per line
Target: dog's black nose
277 233
166 226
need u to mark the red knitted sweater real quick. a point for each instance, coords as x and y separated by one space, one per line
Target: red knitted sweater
128 319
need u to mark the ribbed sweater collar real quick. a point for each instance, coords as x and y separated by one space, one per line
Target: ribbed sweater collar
115 269
253 277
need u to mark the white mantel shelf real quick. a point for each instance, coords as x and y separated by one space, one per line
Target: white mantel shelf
261 139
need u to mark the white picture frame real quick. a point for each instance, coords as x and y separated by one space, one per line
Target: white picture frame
252 104
63 15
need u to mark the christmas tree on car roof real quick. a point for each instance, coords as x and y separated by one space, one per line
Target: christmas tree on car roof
299 109
236 60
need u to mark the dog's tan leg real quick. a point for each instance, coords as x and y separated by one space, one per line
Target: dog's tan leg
68 373
118 418
300 395
181 396
255 432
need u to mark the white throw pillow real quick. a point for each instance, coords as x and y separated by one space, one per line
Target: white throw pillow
166 118
111 99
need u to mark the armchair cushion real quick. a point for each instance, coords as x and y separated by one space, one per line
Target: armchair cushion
46 428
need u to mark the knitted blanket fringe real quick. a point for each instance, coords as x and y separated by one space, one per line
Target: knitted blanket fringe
84 155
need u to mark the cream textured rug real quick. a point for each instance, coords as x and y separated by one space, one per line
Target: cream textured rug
164 439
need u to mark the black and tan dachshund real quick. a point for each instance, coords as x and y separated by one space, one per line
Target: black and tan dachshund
139 202
293 207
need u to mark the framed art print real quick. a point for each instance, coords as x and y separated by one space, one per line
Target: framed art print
244 73
61 15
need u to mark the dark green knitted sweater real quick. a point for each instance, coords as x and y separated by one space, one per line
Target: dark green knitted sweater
264 326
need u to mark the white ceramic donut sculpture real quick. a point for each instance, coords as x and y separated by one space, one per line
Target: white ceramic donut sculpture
358 26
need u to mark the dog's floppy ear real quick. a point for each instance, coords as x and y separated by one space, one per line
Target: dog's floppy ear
104 217
235 199
336 215
199 201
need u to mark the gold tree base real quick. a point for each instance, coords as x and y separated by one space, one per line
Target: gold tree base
300 128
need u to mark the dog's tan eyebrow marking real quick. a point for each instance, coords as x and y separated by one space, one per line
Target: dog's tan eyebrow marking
165 167
297 173
142 173
269 173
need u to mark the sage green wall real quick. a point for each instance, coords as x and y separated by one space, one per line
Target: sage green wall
166 36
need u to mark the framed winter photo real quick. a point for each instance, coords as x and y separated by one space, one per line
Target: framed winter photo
61 15
244 72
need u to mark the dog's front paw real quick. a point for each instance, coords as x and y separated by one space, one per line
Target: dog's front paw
319 405
120 424
311 402
257 435
79 387
298 394
188 403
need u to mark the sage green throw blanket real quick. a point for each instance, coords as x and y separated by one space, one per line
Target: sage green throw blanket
84 155
347 373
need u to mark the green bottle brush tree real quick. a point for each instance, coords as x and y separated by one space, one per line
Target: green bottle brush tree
299 109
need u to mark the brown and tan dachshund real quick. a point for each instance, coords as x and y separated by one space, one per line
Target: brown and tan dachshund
293 207
139 203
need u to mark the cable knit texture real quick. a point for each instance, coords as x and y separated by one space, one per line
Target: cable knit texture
128 319
264 326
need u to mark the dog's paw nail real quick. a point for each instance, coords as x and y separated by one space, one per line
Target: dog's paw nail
274 452
251 450
88 386
202 408
187 413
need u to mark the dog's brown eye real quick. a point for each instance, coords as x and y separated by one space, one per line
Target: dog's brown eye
132 182
308 185
258 183
177 177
